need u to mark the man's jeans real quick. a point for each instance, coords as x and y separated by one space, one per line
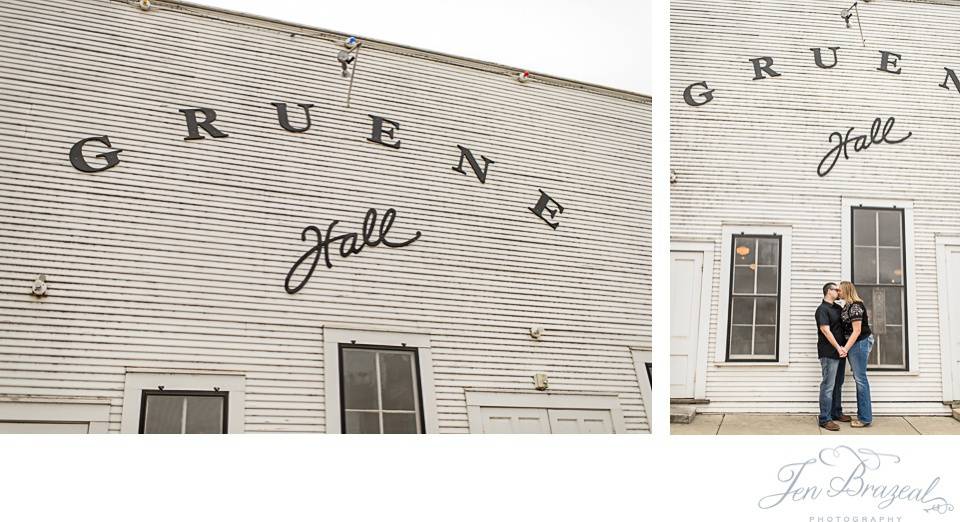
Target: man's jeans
858 355
831 383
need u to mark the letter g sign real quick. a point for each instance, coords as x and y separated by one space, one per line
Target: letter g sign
79 163
706 95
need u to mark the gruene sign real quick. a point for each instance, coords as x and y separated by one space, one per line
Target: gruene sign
699 94
382 132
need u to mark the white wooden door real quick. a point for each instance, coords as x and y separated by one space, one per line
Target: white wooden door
545 420
44 427
951 287
686 278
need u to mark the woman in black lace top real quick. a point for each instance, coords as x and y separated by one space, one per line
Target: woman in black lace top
856 328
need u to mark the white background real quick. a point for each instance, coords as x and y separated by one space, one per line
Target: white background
446 478
606 42
452 478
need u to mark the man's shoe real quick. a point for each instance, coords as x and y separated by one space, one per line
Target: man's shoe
844 418
855 423
830 425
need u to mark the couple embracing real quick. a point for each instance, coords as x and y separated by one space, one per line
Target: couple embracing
843 334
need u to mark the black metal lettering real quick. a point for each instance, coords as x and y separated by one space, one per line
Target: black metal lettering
541 206
819 59
350 244
952 76
481 174
706 95
878 134
766 67
885 61
378 131
285 120
79 163
194 126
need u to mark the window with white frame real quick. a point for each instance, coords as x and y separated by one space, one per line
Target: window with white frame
754 298
195 402
164 411
878 269
380 390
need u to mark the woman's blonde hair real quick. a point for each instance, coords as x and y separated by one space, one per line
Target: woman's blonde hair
850 292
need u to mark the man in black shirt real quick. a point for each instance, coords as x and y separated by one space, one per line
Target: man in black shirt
830 341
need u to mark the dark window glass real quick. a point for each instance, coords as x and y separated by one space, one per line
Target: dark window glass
183 412
753 328
879 271
400 422
360 380
381 390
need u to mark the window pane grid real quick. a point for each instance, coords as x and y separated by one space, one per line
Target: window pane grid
381 412
758 338
879 265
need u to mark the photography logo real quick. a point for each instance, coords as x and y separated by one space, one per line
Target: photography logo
856 485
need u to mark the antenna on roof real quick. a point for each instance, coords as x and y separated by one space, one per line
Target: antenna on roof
851 11
348 57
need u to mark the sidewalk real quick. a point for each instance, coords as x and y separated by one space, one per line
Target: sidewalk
747 424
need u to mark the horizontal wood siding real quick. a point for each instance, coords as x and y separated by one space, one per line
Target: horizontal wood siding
751 156
176 258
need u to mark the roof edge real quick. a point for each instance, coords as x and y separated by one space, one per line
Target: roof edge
326 34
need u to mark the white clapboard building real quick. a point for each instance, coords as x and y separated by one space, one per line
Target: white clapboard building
811 142
214 222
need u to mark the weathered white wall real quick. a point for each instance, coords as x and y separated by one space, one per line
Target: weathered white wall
176 258
751 156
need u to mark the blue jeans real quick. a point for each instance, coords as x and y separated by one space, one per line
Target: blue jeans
858 356
830 404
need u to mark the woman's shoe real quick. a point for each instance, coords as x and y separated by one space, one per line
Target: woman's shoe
855 423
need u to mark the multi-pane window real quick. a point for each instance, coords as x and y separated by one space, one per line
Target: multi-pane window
753 328
183 412
879 268
380 390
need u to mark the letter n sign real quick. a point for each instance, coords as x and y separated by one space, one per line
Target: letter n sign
481 174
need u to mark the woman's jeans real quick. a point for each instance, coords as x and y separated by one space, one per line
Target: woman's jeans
858 356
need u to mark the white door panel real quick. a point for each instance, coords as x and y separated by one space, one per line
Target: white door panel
515 420
581 421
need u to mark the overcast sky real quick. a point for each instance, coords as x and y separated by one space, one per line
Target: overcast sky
606 42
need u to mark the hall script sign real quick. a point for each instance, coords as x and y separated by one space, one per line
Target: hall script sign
699 94
372 234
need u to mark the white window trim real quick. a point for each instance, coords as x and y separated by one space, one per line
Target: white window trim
333 337
642 356
95 414
136 382
726 238
477 399
846 235
706 302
